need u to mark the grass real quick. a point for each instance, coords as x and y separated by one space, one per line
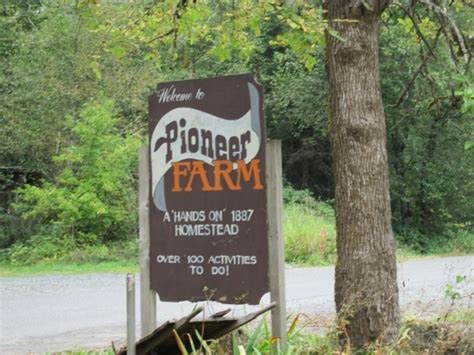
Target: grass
448 333
88 352
310 238
461 243
459 316
309 232
118 257
405 253
61 267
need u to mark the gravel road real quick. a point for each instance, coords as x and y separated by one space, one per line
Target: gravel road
58 312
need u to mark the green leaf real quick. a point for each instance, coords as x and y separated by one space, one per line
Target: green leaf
367 5
461 78
203 342
95 66
254 336
118 51
235 343
221 52
310 62
468 145
181 346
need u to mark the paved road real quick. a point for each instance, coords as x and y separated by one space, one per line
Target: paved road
53 313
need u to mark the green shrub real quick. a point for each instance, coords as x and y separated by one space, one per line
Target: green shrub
456 240
40 248
46 249
293 196
13 228
93 198
459 241
300 339
113 251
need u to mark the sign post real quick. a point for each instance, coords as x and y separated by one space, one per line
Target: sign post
131 314
275 240
147 296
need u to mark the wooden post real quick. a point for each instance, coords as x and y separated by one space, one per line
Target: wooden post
131 314
275 240
147 296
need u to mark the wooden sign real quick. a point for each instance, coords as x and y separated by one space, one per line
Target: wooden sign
208 218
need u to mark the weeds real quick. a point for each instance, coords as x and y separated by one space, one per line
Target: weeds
309 232
442 335
310 237
452 335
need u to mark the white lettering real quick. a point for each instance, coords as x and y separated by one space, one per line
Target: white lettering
169 94
168 259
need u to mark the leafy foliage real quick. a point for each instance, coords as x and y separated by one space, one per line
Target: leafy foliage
53 68
431 173
57 55
92 199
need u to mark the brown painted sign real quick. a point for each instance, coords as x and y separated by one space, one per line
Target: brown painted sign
208 214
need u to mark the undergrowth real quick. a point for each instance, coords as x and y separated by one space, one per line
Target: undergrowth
438 336
309 232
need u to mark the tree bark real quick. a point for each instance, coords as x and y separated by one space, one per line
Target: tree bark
366 274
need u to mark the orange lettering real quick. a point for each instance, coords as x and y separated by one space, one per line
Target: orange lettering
223 168
190 171
177 172
246 174
198 169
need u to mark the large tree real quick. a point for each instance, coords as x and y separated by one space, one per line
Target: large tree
366 272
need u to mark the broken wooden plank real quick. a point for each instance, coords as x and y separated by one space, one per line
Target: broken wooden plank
220 314
162 340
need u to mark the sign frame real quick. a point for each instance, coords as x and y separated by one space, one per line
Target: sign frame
208 218
274 202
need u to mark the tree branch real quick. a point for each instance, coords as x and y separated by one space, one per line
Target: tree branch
163 35
417 28
418 71
451 51
458 34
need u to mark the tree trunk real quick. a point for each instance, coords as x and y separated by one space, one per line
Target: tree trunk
366 274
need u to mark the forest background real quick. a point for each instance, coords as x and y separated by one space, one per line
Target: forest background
74 82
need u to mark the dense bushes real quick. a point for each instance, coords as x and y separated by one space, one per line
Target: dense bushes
58 55
431 174
92 200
